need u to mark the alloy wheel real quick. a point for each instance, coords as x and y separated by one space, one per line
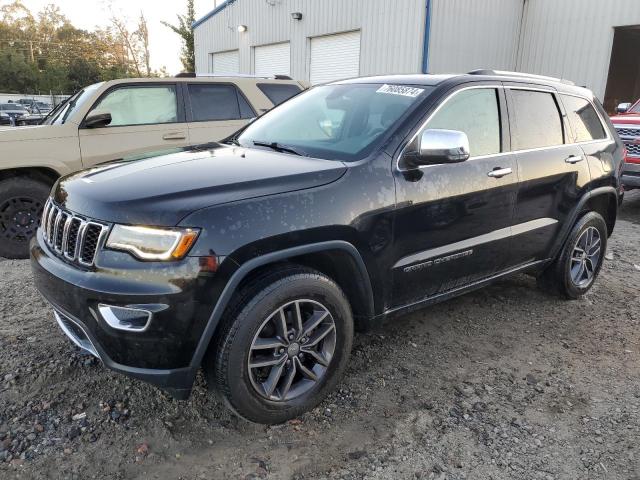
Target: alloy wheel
292 350
585 257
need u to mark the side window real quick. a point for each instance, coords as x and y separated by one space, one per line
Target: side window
537 122
585 123
140 105
211 102
476 113
279 93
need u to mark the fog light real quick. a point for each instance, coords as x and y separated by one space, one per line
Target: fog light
125 318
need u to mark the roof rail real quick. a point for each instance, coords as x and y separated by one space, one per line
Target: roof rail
243 75
504 73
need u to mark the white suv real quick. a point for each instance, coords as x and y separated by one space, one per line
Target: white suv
117 119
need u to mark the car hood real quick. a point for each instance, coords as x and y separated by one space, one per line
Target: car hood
631 118
35 132
164 189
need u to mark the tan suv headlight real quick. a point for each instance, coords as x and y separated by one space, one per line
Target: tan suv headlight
152 243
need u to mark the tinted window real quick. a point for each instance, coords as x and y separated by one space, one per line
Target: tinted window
343 122
278 93
476 113
138 105
584 120
537 121
211 102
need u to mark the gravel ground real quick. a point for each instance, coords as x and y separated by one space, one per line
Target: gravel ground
503 383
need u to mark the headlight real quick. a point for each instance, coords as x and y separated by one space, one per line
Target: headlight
152 243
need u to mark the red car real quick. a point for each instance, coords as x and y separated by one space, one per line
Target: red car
627 124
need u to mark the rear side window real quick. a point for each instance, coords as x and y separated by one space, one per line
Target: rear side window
476 113
536 120
585 123
211 102
279 93
140 105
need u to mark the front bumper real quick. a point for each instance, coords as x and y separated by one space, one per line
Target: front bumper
631 175
180 295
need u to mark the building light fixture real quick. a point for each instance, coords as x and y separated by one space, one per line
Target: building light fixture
242 28
296 15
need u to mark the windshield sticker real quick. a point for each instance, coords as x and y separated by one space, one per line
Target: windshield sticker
403 90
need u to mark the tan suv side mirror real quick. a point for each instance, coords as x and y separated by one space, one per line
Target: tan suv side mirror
96 120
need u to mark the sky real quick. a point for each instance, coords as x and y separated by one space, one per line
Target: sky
164 44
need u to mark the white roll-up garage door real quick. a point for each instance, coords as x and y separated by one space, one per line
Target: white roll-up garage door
272 59
225 63
334 57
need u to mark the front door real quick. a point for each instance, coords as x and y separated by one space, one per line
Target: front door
552 168
453 221
144 118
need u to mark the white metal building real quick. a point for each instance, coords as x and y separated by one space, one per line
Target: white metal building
325 40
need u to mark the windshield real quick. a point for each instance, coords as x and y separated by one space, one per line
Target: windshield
340 122
635 108
67 108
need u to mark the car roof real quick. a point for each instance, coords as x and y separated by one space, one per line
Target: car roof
240 79
427 79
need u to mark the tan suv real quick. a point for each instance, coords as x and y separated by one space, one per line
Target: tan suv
116 119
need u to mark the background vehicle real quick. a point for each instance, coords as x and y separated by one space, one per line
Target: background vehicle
346 205
11 113
627 124
114 119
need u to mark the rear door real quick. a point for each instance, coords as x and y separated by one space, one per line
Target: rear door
145 118
552 169
453 221
215 111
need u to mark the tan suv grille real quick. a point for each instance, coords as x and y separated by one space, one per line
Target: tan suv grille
71 236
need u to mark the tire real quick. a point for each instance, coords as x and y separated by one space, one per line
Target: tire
561 277
253 321
21 202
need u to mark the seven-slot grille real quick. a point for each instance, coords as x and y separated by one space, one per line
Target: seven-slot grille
69 235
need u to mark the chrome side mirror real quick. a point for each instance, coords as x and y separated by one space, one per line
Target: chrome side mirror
623 107
437 147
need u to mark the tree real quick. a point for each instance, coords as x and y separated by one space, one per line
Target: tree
43 51
185 30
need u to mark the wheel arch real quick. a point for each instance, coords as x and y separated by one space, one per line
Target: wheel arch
603 200
43 174
359 290
606 204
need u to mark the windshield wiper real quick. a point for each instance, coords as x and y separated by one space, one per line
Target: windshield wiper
279 147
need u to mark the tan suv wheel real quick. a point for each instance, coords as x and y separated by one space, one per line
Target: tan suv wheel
21 203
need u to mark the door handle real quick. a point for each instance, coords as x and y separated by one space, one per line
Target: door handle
574 159
499 172
174 136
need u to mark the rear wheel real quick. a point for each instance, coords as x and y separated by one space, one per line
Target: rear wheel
283 346
21 202
575 270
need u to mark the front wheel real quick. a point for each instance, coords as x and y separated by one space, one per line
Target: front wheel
283 346
21 203
575 270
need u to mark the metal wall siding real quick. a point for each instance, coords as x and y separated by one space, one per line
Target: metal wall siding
466 35
391 32
572 39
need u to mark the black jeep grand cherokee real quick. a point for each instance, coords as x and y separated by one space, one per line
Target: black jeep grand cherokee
348 204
